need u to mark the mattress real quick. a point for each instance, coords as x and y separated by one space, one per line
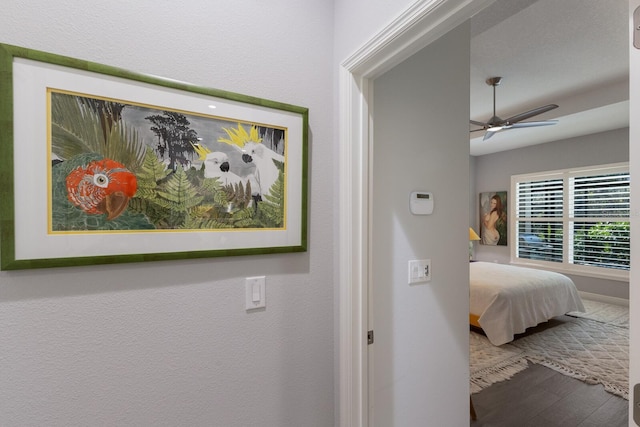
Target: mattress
509 299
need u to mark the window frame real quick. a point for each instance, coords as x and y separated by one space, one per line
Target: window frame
564 266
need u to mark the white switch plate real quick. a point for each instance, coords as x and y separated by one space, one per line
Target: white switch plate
255 288
419 271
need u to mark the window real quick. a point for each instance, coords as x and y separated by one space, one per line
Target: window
574 220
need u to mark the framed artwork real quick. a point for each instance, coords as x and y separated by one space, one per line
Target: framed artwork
493 218
100 165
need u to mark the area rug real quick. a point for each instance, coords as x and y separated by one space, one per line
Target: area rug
490 364
587 348
603 312
591 351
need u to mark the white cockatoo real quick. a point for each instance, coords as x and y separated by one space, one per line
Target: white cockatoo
266 172
216 165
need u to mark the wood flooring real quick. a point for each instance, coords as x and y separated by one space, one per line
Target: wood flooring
542 397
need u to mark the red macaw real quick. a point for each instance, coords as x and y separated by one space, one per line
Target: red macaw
101 187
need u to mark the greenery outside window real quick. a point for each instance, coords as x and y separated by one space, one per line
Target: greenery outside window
573 220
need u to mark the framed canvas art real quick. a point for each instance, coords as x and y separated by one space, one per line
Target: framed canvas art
493 218
101 165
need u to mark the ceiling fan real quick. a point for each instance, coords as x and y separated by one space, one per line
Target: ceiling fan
496 124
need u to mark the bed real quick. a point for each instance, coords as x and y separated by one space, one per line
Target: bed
505 300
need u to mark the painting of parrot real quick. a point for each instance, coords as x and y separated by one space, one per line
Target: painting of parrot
216 165
266 172
264 160
91 192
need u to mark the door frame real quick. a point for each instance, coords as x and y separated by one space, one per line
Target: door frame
634 170
422 23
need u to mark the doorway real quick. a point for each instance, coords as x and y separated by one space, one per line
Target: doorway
355 270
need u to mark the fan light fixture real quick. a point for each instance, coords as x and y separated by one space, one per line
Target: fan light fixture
496 124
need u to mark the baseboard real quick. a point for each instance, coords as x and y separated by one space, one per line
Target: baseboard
604 298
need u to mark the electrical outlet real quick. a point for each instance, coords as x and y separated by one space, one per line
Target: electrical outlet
419 271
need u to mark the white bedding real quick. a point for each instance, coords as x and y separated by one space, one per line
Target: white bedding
510 299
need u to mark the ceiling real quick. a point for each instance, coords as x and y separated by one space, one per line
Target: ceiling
573 53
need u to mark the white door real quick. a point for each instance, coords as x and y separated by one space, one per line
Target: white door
420 134
634 166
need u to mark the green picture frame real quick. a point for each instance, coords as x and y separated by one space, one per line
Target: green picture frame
100 165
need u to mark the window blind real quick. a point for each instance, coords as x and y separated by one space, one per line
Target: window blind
577 217
600 220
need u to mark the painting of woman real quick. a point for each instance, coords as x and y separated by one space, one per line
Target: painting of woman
493 218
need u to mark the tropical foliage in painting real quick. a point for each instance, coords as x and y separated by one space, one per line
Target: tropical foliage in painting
79 127
106 175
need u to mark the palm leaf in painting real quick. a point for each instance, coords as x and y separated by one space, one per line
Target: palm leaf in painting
76 129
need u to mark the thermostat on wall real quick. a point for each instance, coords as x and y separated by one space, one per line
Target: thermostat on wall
421 203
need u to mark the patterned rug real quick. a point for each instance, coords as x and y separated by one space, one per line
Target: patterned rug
491 364
606 313
590 350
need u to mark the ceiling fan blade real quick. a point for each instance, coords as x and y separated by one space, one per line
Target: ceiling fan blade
481 124
533 124
530 113
489 134
496 124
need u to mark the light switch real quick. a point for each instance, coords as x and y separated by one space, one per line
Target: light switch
255 288
419 271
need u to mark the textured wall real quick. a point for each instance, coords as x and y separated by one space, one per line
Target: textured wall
357 21
421 330
170 343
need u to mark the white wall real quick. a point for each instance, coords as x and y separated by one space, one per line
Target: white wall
357 21
170 343
421 331
493 173
473 221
